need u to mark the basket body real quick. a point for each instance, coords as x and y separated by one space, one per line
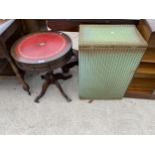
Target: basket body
108 58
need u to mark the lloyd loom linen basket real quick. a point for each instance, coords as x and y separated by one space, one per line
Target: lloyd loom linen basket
108 58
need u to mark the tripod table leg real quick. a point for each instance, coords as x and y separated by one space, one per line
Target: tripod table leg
62 92
60 76
43 91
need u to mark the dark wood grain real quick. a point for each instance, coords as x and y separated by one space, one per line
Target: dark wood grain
149 56
147 29
143 83
140 95
73 24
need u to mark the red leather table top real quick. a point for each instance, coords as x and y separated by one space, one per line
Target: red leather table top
40 46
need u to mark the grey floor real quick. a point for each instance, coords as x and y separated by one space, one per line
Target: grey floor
20 115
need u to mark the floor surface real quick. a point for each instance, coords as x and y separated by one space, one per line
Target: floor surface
20 115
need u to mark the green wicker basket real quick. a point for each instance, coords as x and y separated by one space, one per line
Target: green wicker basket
108 58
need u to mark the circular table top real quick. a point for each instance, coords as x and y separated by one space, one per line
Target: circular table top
41 47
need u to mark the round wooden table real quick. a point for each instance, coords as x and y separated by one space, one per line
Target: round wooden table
45 52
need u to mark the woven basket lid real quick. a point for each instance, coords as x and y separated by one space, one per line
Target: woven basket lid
110 36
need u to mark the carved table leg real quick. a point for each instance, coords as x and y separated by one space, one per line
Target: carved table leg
51 78
44 89
57 77
62 92
68 66
73 62
60 76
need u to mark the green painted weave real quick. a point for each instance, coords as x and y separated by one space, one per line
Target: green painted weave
108 58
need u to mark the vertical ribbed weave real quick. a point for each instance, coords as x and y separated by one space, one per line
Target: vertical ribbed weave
105 73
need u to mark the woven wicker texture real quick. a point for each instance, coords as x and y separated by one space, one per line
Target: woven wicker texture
105 71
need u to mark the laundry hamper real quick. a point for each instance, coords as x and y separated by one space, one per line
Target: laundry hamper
108 58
